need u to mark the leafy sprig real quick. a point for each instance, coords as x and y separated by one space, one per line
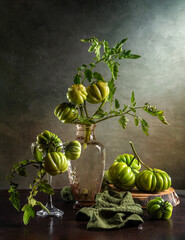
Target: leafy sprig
45 142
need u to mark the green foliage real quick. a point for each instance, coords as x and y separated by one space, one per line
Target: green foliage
77 78
155 112
123 121
117 105
111 56
44 187
28 213
88 74
14 197
39 185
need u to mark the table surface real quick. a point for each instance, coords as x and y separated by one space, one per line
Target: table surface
67 227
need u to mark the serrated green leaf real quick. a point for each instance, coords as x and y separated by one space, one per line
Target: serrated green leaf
106 46
83 66
85 120
43 186
132 98
77 78
112 89
98 76
28 213
14 198
162 118
136 120
152 110
123 121
88 74
92 47
38 155
125 108
134 56
119 44
117 104
92 65
132 109
145 126
22 172
85 40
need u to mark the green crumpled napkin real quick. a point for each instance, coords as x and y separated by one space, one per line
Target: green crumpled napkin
113 210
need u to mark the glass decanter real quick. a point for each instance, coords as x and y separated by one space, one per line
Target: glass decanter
86 173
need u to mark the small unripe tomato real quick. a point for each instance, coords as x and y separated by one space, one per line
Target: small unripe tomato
77 94
97 92
55 163
73 150
159 209
66 112
49 142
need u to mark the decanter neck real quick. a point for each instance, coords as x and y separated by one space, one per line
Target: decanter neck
85 132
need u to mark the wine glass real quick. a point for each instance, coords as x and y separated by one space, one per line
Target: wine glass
53 211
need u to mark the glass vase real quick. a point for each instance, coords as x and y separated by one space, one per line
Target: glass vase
86 173
53 211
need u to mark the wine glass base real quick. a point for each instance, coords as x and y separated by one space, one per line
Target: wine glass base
53 212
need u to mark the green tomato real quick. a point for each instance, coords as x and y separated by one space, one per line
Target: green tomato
121 176
73 150
55 163
77 94
159 209
49 142
154 180
97 92
135 165
66 112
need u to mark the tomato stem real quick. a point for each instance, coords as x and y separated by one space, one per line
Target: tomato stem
139 159
100 107
81 111
85 109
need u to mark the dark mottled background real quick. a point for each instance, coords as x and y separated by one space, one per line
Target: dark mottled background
40 49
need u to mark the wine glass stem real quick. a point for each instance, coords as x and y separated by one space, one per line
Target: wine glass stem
49 200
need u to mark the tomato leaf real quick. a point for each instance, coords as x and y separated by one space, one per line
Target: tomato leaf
98 76
77 78
14 197
117 104
88 74
145 126
43 186
123 121
28 213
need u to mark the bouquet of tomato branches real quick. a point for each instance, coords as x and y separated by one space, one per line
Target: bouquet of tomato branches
100 91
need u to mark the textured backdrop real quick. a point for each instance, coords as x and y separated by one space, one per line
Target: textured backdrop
40 49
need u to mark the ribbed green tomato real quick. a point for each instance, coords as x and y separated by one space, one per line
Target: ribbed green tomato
49 142
154 180
121 176
73 150
159 209
66 112
97 92
55 163
135 165
77 94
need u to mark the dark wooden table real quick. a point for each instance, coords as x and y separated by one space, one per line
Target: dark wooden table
66 228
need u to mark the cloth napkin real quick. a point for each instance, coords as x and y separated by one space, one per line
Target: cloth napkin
113 210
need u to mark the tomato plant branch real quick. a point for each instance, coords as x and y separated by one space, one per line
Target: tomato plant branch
117 115
85 108
100 107
139 159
